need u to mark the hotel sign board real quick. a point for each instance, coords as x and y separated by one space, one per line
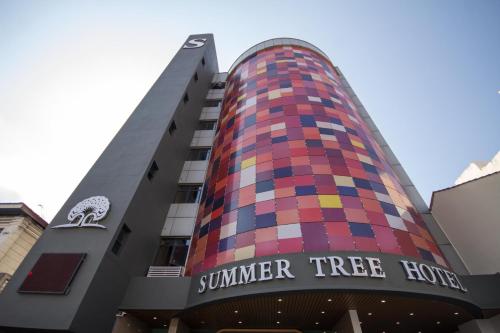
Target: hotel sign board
325 267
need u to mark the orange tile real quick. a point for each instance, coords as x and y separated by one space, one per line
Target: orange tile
288 216
308 201
372 205
419 242
246 196
284 192
356 215
266 234
321 169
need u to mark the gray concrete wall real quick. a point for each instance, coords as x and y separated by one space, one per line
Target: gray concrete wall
491 325
469 214
141 204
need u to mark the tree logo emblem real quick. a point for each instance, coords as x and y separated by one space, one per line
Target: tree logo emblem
87 213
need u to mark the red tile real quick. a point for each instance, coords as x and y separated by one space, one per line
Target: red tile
290 245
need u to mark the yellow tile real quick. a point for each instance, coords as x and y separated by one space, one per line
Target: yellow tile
241 97
343 181
261 64
329 201
244 252
357 144
248 162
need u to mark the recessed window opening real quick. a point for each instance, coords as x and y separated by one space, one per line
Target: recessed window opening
203 61
218 85
207 125
121 239
212 102
188 194
172 128
172 251
186 98
201 154
152 170
195 77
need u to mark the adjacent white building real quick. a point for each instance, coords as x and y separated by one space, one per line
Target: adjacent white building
20 228
479 169
469 214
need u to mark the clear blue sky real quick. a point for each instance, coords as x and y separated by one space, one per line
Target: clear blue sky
427 71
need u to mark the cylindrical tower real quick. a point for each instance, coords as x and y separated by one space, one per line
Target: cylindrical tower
294 168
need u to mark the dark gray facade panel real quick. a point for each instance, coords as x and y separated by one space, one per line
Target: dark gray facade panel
485 290
305 280
141 204
182 293
156 293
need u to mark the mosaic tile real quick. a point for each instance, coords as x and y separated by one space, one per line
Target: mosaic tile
294 168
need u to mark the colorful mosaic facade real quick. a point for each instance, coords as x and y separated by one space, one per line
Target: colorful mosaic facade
295 169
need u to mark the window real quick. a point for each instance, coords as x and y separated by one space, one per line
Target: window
121 239
218 85
201 154
172 252
152 170
195 77
207 125
203 61
186 98
188 194
1 229
172 128
212 102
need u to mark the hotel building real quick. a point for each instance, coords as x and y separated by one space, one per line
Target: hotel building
263 199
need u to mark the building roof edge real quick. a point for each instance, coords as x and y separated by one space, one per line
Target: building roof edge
458 185
20 208
271 43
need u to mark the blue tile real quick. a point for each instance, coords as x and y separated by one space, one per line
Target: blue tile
250 120
426 255
265 220
276 109
215 224
361 230
369 168
327 103
328 131
347 190
377 187
203 231
314 143
389 208
305 190
283 172
264 186
227 243
279 139
246 219
307 121
362 183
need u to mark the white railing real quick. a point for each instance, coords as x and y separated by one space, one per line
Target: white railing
165 271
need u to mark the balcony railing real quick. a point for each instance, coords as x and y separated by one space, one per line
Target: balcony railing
165 271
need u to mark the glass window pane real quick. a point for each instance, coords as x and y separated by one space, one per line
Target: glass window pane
206 125
188 194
